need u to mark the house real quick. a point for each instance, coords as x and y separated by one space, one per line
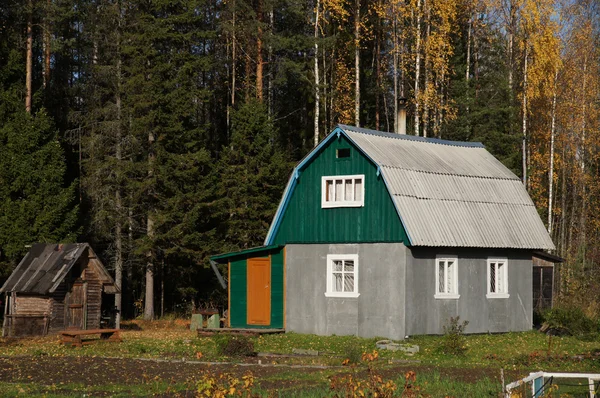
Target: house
381 234
55 287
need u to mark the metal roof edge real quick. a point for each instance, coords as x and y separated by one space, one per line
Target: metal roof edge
439 141
289 189
13 273
553 258
244 252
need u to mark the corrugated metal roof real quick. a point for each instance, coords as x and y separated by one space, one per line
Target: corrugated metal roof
45 265
453 194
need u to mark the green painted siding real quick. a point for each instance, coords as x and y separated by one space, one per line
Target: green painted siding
238 292
304 221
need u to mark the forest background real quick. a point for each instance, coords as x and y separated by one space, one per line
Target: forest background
163 131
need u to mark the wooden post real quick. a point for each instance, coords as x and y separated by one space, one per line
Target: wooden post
4 322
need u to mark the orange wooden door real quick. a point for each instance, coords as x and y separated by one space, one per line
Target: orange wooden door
259 291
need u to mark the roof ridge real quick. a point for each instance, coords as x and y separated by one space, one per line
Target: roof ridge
451 174
465 200
415 138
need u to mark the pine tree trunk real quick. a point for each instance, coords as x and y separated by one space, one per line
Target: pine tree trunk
118 199
378 73
233 71
270 63
47 43
316 62
357 63
427 70
259 55
29 57
149 302
395 59
417 65
524 106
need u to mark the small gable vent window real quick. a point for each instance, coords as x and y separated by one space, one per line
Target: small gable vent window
343 191
343 153
342 275
446 278
497 278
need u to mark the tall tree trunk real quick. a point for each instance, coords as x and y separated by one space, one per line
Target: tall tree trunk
149 302
563 206
426 65
583 232
118 199
551 168
233 71
378 73
357 63
524 106
29 57
395 60
270 63
47 43
417 65
317 97
259 56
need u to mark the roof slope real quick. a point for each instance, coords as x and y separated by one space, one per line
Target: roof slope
45 266
453 194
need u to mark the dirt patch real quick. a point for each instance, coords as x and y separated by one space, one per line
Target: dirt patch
94 371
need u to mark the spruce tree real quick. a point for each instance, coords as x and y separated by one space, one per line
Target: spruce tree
36 205
252 170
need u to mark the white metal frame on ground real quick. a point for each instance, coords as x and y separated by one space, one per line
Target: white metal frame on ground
538 387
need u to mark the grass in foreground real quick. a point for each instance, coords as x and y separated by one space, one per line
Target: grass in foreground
172 340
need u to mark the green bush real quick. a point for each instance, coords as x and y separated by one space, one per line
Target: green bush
572 320
453 342
234 346
353 353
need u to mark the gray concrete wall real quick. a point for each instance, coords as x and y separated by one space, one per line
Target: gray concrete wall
427 315
377 312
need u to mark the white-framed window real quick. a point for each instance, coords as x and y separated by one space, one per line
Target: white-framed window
497 278
342 275
446 277
343 191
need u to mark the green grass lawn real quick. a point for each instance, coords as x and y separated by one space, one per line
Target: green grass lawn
475 373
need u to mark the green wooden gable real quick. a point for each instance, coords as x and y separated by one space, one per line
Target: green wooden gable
303 220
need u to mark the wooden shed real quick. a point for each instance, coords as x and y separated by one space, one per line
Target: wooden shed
256 287
55 287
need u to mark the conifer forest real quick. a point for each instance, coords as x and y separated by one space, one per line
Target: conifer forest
164 131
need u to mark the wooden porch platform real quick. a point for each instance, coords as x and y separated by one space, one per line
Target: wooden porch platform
250 332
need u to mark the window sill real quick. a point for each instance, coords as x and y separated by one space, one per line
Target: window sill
447 296
341 204
342 295
497 295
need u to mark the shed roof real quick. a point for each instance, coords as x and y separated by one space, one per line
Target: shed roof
45 266
446 193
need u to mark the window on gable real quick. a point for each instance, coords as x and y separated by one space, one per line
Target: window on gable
446 277
343 191
342 153
342 275
497 278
